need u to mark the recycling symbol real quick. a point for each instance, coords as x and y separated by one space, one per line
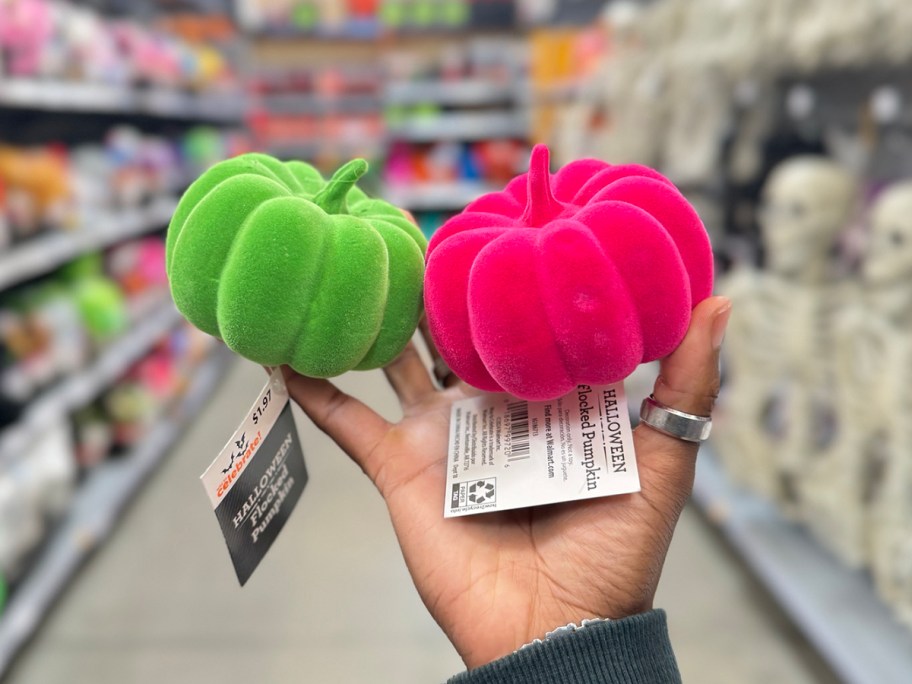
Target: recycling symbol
481 491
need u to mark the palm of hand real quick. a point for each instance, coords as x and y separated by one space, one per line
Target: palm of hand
544 567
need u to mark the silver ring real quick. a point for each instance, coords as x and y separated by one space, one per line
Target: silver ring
675 423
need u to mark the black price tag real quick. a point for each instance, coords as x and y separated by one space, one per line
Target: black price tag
257 479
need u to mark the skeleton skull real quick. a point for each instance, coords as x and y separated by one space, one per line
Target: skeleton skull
807 201
889 255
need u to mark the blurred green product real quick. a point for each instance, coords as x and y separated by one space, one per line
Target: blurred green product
423 14
86 266
393 13
102 308
305 16
426 111
454 13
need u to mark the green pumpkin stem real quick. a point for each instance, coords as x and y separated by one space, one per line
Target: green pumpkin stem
541 206
332 198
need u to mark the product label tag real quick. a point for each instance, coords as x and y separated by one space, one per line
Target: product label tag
257 479
508 453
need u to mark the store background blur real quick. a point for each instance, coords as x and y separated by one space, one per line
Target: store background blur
785 122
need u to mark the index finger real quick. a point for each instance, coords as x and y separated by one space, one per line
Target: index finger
351 424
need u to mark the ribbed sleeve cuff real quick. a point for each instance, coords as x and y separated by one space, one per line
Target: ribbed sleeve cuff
635 650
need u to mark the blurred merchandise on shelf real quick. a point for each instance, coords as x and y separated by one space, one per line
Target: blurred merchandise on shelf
133 405
42 335
34 491
456 125
203 146
497 60
37 191
449 175
700 90
101 303
51 39
125 412
104 122
102 308
560 12
444 117
322 113
372 18
200 29
465 91
53 188
139 268
93 436
53 327
564 63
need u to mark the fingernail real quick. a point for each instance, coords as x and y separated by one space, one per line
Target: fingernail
720 322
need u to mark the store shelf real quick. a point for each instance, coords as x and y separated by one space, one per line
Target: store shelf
222 108
574 92
99 98
436 196
339 148
374 32
836 608
94 513
461 126
80 388
348 32
43 254
307 103
464 92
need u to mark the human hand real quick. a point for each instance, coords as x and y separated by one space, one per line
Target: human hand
494 582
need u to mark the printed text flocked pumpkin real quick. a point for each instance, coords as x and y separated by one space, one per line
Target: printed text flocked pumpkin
287 268
575 277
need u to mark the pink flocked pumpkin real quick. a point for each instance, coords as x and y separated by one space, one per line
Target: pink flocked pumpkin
566 278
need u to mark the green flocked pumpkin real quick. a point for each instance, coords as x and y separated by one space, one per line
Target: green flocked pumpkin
288 268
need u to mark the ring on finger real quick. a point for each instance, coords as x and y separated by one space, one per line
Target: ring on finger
674 423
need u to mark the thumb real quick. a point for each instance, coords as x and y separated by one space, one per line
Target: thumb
689 378
688 381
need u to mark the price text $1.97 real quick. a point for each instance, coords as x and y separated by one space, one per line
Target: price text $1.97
261 408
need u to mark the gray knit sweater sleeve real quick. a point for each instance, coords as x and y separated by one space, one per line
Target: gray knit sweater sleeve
635 650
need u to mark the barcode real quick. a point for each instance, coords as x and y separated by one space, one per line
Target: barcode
518 413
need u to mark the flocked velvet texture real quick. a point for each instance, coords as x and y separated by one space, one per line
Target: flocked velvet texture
286 267
566 278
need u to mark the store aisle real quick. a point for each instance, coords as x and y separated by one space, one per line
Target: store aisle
333 602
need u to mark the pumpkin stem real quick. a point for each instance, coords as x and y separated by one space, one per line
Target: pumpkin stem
541 206
331 198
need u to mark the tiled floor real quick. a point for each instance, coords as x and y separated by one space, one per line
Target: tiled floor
333 602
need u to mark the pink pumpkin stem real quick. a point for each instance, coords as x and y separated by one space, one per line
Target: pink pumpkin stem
541 206
331 198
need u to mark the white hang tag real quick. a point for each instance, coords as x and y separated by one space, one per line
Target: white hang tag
508 453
